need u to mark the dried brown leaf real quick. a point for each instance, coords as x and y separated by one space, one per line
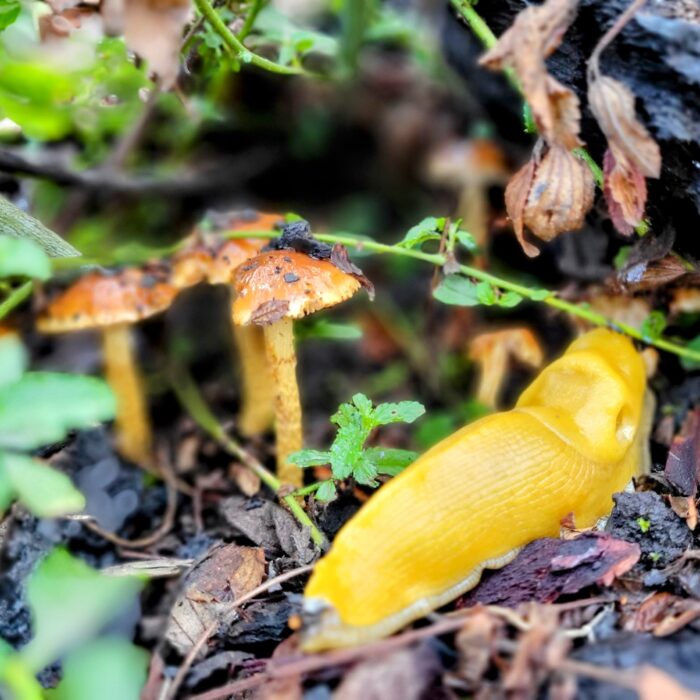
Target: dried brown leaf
475 643
227 573
516 199
683 463
612 103
550 197
533 36
152 29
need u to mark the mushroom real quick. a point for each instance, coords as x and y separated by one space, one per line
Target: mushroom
112 302
272 289
207 258
492 351
470 167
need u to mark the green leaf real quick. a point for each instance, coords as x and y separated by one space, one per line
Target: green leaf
364 471
47 492
16 677
427 230
653 325
13 359
434 428
18 224
540 294
309 458
69 603
402 412
456 290
108 669
509 299
42 406
363 405
390 460
485 293
467 240
21 257
326 491
9 12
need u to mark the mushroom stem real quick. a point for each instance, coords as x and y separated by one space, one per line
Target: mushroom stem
133 428
258 402
279 346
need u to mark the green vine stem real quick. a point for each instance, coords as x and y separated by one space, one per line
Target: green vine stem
256 6
189 396
547 297
235 45
483 32
15 298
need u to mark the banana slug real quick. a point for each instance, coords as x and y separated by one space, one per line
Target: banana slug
577 435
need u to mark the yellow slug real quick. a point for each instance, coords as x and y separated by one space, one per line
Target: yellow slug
577 435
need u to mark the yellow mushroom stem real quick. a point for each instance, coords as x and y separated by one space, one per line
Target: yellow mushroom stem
133 428
258 402
279 347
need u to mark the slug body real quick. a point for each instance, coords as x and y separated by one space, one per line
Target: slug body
576 436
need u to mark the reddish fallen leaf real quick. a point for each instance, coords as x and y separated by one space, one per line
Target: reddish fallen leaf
683 463
625 191
289 688
647 276
549 568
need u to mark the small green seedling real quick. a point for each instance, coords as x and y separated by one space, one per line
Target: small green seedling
348 456
644 524
38 408
70 603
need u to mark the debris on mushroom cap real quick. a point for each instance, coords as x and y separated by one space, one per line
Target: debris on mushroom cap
108 298
242 220
286 284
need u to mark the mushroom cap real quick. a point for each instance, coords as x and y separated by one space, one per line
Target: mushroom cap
102 299
460 162
192 265
230 255
287 284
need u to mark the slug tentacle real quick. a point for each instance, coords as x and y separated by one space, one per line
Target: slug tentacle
576 436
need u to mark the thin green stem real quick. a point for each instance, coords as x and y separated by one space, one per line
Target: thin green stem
536 295
236 47
306 490
483 32
15 298
250 18
189 396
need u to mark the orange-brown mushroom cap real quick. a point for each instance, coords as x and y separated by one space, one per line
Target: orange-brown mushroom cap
287 284
106 298
192 265
230 255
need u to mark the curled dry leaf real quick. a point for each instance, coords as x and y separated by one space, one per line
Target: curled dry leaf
550 196
612 103
632 154
625 192
533 36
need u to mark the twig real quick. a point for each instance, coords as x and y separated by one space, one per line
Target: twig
542 296
236 47
295 666
483 32
199 643
189 396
